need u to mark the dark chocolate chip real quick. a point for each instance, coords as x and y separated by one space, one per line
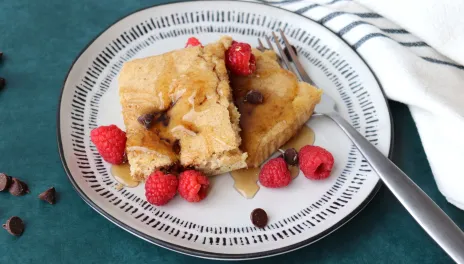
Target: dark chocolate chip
254 97
291 156
163 118
173 169
2 83
259 218
176 147
14 226
146 120
48 196
287 53
176 168
5 182
18 188
186 168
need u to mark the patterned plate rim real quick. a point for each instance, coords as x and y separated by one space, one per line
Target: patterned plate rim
200 253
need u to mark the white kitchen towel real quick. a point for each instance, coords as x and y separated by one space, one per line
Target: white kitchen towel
403 43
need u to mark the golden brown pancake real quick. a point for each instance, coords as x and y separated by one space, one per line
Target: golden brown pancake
190 88
287 105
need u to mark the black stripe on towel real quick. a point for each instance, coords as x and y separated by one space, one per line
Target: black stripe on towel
304 9
367 37
349 27
414 44
368 15
443 62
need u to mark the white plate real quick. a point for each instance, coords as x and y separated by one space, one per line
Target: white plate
219 227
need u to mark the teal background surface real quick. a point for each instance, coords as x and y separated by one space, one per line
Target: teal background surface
40 40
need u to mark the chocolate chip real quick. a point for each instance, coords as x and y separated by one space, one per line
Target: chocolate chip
186 168
291 156
14 226
176 147
259 218
48 196
146 120
1 55
18 188
254 97
2 83
5 182
163 118
287 53
173 169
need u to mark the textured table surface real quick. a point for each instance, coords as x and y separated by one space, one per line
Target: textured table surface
40 40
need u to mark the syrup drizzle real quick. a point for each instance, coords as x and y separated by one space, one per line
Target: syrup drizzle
294 171
121 174
246 181
304 137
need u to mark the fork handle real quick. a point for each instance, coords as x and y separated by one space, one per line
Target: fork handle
424 210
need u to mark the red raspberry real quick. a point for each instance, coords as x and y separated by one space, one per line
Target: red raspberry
192 42
160 188
110 142
316 163
275 174
239 59
193 185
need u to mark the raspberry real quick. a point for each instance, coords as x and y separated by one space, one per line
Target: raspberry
193 185
110 142
275 174
316 163
239 59
192 42
160 188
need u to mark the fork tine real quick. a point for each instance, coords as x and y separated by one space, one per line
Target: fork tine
281 51
261 46
304 76
269 43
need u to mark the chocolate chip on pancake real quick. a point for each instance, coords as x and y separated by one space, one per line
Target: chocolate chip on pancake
163 118
176 147
254 97
146 120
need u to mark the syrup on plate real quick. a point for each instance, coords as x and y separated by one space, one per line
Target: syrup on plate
294 171
304 137
121 174
246 180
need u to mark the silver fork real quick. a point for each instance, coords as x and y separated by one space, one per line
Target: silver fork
424 210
